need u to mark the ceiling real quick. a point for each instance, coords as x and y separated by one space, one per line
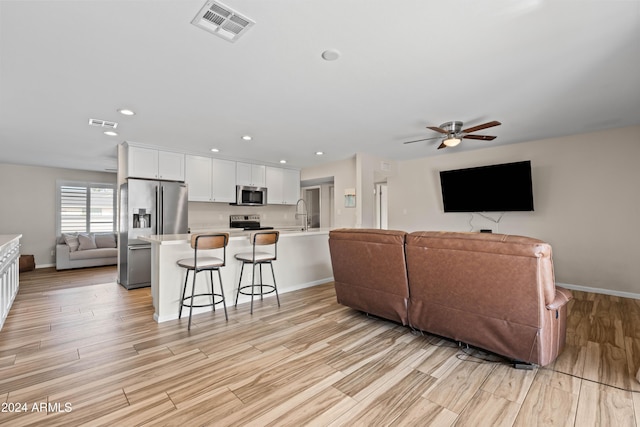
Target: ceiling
542 68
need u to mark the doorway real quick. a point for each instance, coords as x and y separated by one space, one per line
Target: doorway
311 196
382 208
318 195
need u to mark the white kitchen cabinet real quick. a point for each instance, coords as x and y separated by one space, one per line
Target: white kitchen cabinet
142 163
223 180
283 186
210 180
290 186
170 166
274 179
154 164
198 178
250 174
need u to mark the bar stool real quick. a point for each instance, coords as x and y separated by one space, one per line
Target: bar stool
259 257
200 262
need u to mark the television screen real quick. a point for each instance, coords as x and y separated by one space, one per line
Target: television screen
495 188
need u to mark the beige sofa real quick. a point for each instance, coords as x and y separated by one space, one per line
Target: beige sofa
78 250
491 291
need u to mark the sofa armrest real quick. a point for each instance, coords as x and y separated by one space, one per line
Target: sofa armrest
563 296
62 257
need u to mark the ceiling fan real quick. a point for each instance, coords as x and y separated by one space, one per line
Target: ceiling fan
452 133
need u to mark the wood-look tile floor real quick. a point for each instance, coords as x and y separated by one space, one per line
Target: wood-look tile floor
79 349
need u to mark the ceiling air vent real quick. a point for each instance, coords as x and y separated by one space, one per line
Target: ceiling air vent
221 20
103 123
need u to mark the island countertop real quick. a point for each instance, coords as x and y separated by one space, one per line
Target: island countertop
234 234
303 260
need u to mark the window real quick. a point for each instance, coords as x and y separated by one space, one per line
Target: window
86 207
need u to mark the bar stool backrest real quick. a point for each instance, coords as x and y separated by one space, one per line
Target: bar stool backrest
265 238
206 241
209 241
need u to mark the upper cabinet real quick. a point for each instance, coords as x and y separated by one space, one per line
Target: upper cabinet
198 178
250 174
210 180
283 186
291 186
224 184
154 164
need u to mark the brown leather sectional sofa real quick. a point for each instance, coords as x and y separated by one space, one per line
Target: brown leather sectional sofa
492 291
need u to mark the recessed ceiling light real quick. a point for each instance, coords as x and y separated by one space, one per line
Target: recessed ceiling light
126 112
319 153
111 133
247 138
215 150
283 161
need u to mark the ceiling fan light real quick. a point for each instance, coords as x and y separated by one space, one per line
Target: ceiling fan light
451 142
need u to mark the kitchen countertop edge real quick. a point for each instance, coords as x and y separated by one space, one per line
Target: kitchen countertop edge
175 239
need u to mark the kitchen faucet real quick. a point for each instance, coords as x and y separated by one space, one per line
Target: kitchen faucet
304 214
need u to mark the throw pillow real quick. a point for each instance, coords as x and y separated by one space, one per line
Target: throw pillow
71 239
105 240
87 241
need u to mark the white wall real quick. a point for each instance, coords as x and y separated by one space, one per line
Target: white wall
344 176
586 197
28 207
369 171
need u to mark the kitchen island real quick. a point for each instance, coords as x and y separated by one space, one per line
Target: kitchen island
303 261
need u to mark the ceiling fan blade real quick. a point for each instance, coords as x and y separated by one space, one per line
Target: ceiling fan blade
425 139
482 126
437 129
442 146
480 137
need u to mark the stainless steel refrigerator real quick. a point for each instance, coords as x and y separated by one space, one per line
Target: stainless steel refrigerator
147 207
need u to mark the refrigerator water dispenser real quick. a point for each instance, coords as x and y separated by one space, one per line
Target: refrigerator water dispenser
141 219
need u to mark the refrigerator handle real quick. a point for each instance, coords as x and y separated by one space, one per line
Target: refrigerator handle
162 208
158 211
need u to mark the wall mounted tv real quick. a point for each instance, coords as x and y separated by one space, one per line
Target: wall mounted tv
496 188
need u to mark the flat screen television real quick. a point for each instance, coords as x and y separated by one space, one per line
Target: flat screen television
496 188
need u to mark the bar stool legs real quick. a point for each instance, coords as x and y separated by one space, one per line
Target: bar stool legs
199 263
269 288
215 298
258 258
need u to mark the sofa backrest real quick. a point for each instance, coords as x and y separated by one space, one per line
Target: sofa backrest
102 239
369 270
483 289
492 263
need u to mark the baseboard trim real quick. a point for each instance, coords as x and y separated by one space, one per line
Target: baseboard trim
599 290
244 299
44 266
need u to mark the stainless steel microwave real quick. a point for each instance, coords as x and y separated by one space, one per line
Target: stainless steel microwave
250 196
